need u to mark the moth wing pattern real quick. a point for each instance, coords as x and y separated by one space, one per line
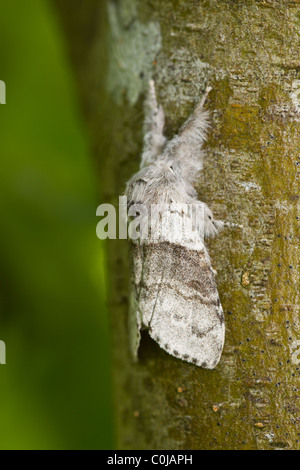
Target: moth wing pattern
177 301
187 319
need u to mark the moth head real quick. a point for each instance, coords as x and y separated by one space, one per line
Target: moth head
157 183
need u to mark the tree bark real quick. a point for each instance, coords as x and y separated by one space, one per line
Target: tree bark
249 52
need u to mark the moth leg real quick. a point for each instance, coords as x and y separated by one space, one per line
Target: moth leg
222 225
193 131
206 224
203 99
213 226
204 220
214 271
154 140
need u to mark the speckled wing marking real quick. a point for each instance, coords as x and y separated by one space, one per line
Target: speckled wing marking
176 299
135 316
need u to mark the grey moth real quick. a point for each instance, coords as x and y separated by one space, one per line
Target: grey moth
173 290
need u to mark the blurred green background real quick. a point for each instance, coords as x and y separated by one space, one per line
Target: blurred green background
55 388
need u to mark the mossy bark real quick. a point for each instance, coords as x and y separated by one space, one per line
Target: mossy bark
249 52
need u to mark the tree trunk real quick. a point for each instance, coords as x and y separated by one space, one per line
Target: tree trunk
249 52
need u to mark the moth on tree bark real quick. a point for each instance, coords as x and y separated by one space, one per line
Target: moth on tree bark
248 51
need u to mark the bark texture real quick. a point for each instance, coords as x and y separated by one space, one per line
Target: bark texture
249 52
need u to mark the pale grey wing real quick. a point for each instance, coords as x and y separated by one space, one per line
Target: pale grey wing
145 265
181 305
134 319
154 139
